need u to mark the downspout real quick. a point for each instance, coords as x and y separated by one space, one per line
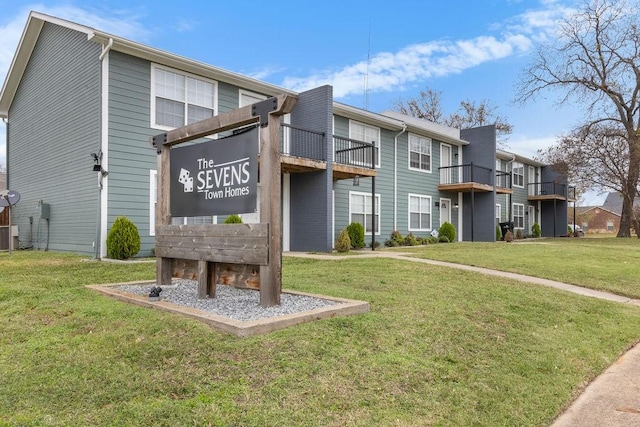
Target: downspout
104 149
395 176
510 197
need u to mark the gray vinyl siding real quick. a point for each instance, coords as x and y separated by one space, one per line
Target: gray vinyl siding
54 125
228 97
131 157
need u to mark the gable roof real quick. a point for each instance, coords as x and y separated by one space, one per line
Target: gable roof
581 210
36 21
614 201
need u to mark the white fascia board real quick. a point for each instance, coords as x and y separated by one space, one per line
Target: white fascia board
367 117
506 155
21 58
429 129
185 64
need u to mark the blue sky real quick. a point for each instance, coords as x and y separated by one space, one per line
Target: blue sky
466 50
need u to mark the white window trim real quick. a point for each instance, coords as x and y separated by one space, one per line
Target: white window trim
249 93
379 144
422 196
513 217
513 173
430 142
152 118
499 212
360 193
153 177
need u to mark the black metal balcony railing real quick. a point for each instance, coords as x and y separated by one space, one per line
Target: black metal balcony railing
352 152
550 188
503 179
299 142
465 173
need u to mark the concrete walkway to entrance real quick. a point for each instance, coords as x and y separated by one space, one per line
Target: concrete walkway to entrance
611 400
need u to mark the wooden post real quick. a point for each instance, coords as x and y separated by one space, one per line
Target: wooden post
271 211
270 202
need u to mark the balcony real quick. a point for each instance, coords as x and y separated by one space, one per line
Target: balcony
543 191
304 150
465 178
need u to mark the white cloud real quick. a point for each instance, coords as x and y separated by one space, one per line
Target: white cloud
387 71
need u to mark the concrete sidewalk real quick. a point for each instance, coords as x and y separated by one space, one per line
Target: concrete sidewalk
611 400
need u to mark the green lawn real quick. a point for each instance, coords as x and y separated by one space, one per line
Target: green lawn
439 347
608 264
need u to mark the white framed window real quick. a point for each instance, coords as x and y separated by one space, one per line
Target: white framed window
365 133
498 213
518 215
419 153
178 98
153 200
247 98
517 172
360 210
419 212
609 226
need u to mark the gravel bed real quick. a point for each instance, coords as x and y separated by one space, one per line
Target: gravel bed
238 304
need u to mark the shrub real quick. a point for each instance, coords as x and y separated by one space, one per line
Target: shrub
391 243
233 219
377 244
431 240
448 230
356 234
443 239
498 233
535 230
410 240
519 234
343 243
396 236
123 240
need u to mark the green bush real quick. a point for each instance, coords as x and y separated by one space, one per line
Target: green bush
410 240
123 240
396 236
448 230
519 234
233 219
356 234
498 233
431 240
343 243
443 239
535 230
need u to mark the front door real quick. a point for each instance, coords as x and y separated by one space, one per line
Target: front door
445 211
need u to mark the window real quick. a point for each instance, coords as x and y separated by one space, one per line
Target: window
178 99
365 133
609 226
360 210
419 212
518 174
419 153
498 213
518 215
248 98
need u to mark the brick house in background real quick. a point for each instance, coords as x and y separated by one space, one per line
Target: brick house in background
596 219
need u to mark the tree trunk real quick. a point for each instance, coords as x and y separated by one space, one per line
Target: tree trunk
630 188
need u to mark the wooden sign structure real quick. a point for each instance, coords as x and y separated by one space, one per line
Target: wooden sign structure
208 245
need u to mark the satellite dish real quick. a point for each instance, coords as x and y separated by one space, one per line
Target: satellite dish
9 198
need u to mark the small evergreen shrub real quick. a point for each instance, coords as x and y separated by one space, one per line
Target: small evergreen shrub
123 240
391 243
498 233
519 234
233 219
377 244
410 240
396 236
443 239
431 240
356 234
343 243
448 230
535 230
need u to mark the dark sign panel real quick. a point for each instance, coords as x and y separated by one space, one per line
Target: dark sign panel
218 177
